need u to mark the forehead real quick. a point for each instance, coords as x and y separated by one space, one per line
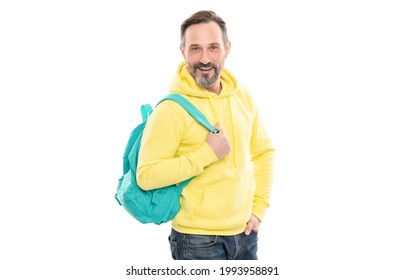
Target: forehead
203 33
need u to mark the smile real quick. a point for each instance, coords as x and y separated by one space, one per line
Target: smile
205 68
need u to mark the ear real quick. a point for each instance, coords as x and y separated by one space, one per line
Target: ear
227 48
182 50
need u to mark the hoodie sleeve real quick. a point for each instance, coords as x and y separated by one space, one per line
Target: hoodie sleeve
262 154
158 164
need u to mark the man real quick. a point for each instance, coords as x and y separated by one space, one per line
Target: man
223 205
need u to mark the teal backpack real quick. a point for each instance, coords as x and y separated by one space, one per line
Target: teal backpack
158 205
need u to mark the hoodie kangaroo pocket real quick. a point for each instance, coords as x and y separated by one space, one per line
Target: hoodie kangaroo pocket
225 203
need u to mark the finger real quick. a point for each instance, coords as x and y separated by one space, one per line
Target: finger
248 228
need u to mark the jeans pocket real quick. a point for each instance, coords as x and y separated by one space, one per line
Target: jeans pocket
199 241
203 247
174 248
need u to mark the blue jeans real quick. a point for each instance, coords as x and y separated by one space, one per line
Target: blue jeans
213 247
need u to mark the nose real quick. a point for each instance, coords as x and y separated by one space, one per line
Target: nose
204 58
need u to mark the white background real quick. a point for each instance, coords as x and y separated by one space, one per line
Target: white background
327 75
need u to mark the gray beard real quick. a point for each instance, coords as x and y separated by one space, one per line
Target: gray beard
206 82
203 80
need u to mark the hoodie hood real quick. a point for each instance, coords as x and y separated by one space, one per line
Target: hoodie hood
185 83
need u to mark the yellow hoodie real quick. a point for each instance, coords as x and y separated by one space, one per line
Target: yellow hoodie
224 193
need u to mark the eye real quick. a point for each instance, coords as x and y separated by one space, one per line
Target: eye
215 47
194 49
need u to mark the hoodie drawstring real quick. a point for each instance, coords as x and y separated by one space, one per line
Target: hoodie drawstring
217 118
233 137
214 109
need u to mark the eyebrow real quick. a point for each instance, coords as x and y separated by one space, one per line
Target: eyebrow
197 45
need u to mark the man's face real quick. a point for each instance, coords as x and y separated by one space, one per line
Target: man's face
205 53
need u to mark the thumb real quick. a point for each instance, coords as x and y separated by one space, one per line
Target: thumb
248 228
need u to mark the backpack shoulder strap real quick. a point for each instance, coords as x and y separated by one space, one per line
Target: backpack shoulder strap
191 109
